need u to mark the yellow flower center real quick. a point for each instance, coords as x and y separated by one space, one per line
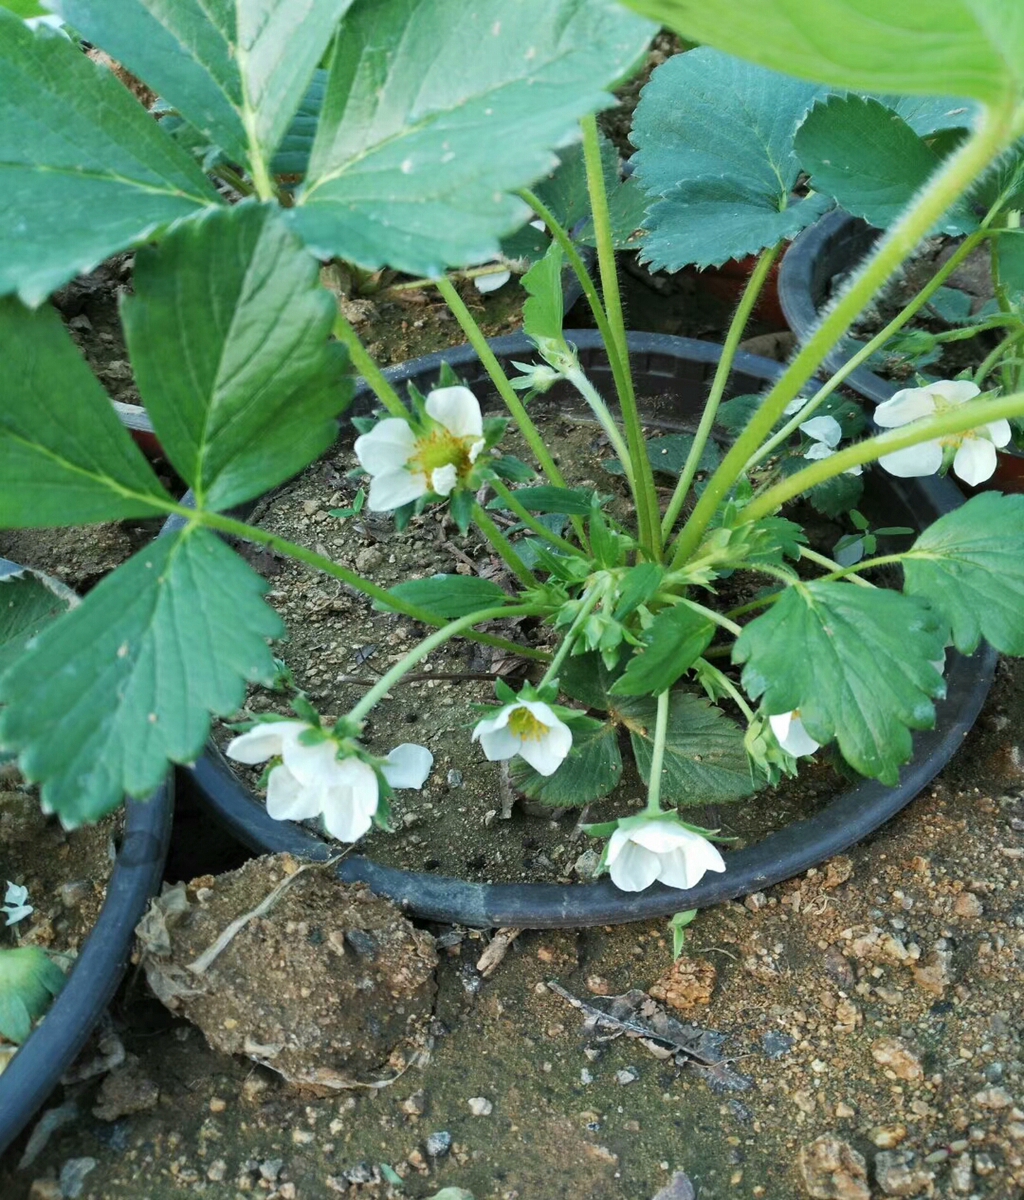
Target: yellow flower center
526 727
441 448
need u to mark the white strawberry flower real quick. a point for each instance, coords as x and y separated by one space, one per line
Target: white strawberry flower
312 781
645 849
405 462
528 728
16 906
974 459
791 735
826 434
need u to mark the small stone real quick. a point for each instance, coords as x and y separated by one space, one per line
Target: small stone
984 1164
601 1153
843 1110
896 1056
72 894
369 559
480 1106
597 985
679 1187
628 1075
838 871
270 1168
253 1088
217 1170
45 1189
847 1016
898 1173
218 1104
688 984
418 1163
755 901
1015 1129
967 904
72 1176
831 1169
995 1097
586 866
125 1091
414 1105
454 778
776 1045
961 1175
438 1144
934 974
303 1137
937 1156
585 1076
888 1137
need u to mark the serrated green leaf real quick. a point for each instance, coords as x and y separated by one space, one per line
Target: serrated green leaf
638 585
29 980
228 332
965 47
1008 247
705 761
64 457
235 69
451 596
585 678
929 115
870 161
836 495
100 702
591 770
29 601
969 565
292 155
435 111
511 468
543 311
855 662
85 171
672 643
547 499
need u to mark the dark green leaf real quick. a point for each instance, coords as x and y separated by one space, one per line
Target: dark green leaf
591 770
511 468
546 499
673 642
969 565
292 157
870 161
29 601
435 111
1008 248
105 696
85 171
855 661
705 761
28 982
669 454
639 584
228 331
585 678
451 596
64 457
565 192
543 311
929 115
836 495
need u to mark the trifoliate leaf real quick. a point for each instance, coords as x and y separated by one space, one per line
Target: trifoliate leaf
228 331
110 693
591 770
969 565
672 643
28 983
857 664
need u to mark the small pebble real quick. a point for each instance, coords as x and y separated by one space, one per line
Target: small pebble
480 1106
438 1144
628 1075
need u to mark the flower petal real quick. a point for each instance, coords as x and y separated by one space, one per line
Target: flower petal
546 754
819 450
998 432
457 409
313 766
791 735
661 836
408 766
922 459
491 283
351 801
954 391
389 445
493 724
633 868
263 741
975 461
910 404
500 744
443 479
288 800
393 489
686 867
824 429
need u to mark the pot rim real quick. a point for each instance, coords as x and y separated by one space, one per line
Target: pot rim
845 820
52 1047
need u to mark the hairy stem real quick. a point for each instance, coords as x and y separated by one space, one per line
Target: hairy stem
658 754
366 367
506 551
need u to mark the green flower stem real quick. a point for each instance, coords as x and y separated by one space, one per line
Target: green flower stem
731 690
658 755
251 533
869 564
716 618
750 606
876 343
430 643
527 518
646 495
505 549
233 179
955 420
515 406
590 602
600 410
991 360
366 367
732 340
997 129
830 563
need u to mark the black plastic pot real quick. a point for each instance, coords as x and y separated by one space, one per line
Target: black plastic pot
101 963
675 372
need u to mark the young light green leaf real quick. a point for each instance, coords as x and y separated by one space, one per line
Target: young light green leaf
969 565
672 643
705 761
451 596
228 332
100 702
715 138
64 457
29 601
85 171
591 770
543 311
29 980
855 662
964 47
547 499
237 69
435 111
870 161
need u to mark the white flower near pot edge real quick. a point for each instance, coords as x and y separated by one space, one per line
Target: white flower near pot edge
312 781
529 728
791 735
645 849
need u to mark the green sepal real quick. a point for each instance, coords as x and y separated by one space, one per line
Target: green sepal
461 504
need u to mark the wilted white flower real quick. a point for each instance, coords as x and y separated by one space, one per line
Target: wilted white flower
826 433
644 849
530 729
491 283
975 457
790 734
405 463
16 904
312 781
